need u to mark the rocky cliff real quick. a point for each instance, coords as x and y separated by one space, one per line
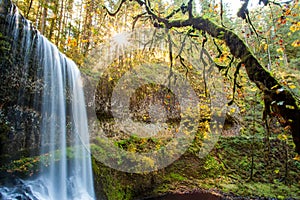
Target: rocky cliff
21 85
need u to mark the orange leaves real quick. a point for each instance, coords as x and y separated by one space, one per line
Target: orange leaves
288 12
282 20
297 157
72 42
224 56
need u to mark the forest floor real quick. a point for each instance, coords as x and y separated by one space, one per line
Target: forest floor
225 173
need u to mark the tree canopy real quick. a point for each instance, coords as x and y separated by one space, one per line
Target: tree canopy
279 101
262 41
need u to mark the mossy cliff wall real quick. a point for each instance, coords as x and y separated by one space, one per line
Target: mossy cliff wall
20 86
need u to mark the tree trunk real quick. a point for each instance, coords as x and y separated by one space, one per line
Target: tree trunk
29 8
87 27
53 21
58 36
44 17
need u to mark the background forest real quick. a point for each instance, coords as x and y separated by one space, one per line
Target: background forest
255 155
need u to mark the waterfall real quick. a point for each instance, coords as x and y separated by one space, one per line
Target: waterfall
66 171
64 115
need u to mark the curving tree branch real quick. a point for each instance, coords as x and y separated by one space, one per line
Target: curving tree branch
279 101
113 13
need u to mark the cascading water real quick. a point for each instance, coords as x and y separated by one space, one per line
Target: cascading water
66 171
64 115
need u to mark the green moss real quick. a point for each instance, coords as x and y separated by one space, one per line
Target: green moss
28 166
23 167
212 166
110 184
176 177
254 189
226 168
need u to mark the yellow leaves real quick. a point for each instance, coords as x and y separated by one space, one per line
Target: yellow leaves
297 158
290 107
265 47
253 89
275 86
295 27
145 117
232 110
292 87
296 43
223 58
132 148
282 137
204 107
280 50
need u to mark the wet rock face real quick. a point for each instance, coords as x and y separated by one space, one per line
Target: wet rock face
5 4
148 103
20 86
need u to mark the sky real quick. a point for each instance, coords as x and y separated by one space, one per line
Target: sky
236 4
232 5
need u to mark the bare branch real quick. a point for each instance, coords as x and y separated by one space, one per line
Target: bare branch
170 56
218 49
136 18
204 62
236 73
176 11
117 10
281 3
183 42
243 11
221 13
265 2
190 8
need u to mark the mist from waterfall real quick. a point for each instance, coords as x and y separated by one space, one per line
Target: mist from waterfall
66 173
